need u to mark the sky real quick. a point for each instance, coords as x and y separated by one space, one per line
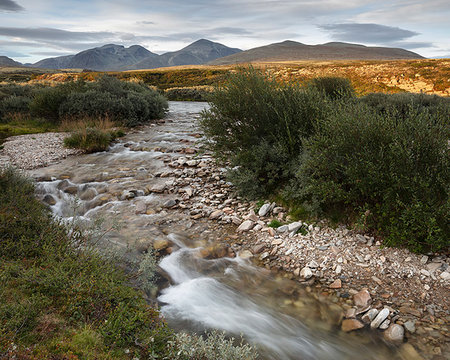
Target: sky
31 30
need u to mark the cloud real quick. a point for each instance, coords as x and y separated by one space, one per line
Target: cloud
367 33
51 34
10 5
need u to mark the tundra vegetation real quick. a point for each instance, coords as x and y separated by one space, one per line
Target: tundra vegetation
86 107
379 162
61 299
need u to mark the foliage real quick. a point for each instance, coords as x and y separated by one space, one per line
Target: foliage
274 224
333 87
393 168
260 123
327 152
191 93
91 139
60 300
214 346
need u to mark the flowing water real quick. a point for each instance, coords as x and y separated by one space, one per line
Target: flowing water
277 315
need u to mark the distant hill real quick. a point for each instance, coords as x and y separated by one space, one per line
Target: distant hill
108 57
8 62
116 57
291 51
197 53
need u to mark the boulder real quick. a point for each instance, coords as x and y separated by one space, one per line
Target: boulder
49 199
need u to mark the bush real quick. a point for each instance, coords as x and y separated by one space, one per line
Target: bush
380 162
191 93
213 346
91 139
259 124
130 104
394 170
14 105
334 88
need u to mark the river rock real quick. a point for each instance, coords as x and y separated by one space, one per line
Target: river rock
72 190
264 210
88 194
282 228
351 324
394 333
157 188
141 208
215 214
170 203
350 313
257 249
445 276
385 324
362 298
245 254
382 315
408 352
410 325
160 244
49 199
370 315
295 226
306 273
127 195
246 226
336 284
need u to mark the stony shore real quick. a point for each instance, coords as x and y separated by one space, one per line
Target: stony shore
403 295
36 150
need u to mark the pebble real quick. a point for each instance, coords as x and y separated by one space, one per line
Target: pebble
246 226
336 284
410 325
351 324
306 273
362 298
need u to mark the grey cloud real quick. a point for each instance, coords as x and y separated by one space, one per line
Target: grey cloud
367 33
51 34
145 23
10 5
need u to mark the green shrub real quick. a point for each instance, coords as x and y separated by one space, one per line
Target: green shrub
395 170
332 87
13 105
192 93
259 124
213 346
401 104
46 102
91 139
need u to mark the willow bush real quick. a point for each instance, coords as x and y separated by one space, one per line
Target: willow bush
380 161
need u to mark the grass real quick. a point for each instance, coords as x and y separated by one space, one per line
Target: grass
22 125
60 299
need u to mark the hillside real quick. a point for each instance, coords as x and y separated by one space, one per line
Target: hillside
292 51
197 53
107 57
8 62
116 57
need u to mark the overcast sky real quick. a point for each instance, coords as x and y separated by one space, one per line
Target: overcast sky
31 30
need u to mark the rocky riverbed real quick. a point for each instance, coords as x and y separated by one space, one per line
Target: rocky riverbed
167 182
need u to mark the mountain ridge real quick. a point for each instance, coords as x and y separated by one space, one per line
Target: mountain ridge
289 50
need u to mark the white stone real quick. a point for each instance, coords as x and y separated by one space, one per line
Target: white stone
295 226
445 276
306 273
264 210
246 226
382 315
338 269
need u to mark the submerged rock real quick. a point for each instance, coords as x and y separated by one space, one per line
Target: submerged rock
351 325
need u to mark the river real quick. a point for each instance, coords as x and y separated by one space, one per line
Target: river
284 319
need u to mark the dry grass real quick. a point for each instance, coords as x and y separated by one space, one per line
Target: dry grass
104 123
431 76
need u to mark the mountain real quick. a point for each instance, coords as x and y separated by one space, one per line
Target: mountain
197 53
292 50
116 57
108 57
8 62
